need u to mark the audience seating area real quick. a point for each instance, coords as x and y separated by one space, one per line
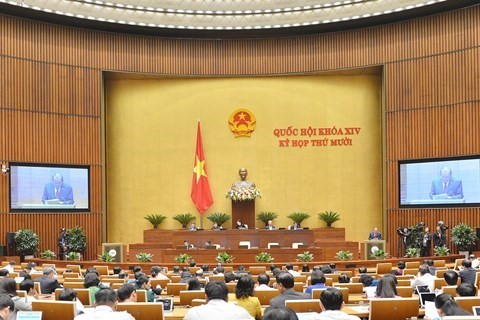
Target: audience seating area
406 306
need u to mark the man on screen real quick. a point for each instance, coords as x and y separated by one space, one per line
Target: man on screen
57 189
446 186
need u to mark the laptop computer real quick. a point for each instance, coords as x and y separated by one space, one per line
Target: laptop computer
167 303
29 315
426 296
476 310
419 289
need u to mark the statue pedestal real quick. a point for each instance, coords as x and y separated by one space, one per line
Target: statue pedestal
245 211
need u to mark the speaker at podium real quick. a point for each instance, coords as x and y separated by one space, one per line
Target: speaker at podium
115 250
368 245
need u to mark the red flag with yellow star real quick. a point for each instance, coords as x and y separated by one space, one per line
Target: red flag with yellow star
201 194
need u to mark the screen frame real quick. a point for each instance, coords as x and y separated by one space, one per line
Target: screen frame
433 205
47 165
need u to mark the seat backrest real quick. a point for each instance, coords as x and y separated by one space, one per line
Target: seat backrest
298 286
231 287
307 305
440 273
352 287
451 290
412 271
384 268
37 287
67 275
328 282
73 285
82 294
439 263
468 302
142 310
300 278
102 270
55 310
173 289
142 295
264 296
403 282
458 263
48 265
216 278
439 283
405 291
75 268
21 293
161 282
317 292
186 296
412 264
254 270
198 302
393 308
176 279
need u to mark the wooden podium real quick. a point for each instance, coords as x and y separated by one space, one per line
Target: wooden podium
366 248
245 211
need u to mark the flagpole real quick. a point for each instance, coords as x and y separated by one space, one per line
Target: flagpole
201 214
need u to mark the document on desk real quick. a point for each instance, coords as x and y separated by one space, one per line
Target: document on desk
306 315
431 310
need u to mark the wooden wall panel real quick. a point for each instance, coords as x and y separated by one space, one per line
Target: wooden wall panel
50 95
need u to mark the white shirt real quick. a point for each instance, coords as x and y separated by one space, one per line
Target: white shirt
294 273
425 280
475 263
334 315
264 287
9 268
218 309
105 312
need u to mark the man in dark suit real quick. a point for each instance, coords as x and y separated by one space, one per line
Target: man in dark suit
48 283
57 189
285 283
426 243
467 274
375 235
270 225
446 185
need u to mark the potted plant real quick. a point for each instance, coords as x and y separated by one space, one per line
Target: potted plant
155 219
379 254
441 251
219 217
48 255
464 237
27 242
344 255
106 257
144 257
305 257
73 256
329 217
224 257
412 253
77 240
184 219
266 216
263 257
182 258
298 217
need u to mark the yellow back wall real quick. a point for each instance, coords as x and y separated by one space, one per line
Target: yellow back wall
150 146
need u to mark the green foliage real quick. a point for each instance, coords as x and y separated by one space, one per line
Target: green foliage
144 257
379 254
106 257
224 257
441 251
412 253
48 255
298 217
263 257
266 216
182 258
155 219
184 219
73 256
329 217
77 240
305 256
344 255
27 242
219 217
464 236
